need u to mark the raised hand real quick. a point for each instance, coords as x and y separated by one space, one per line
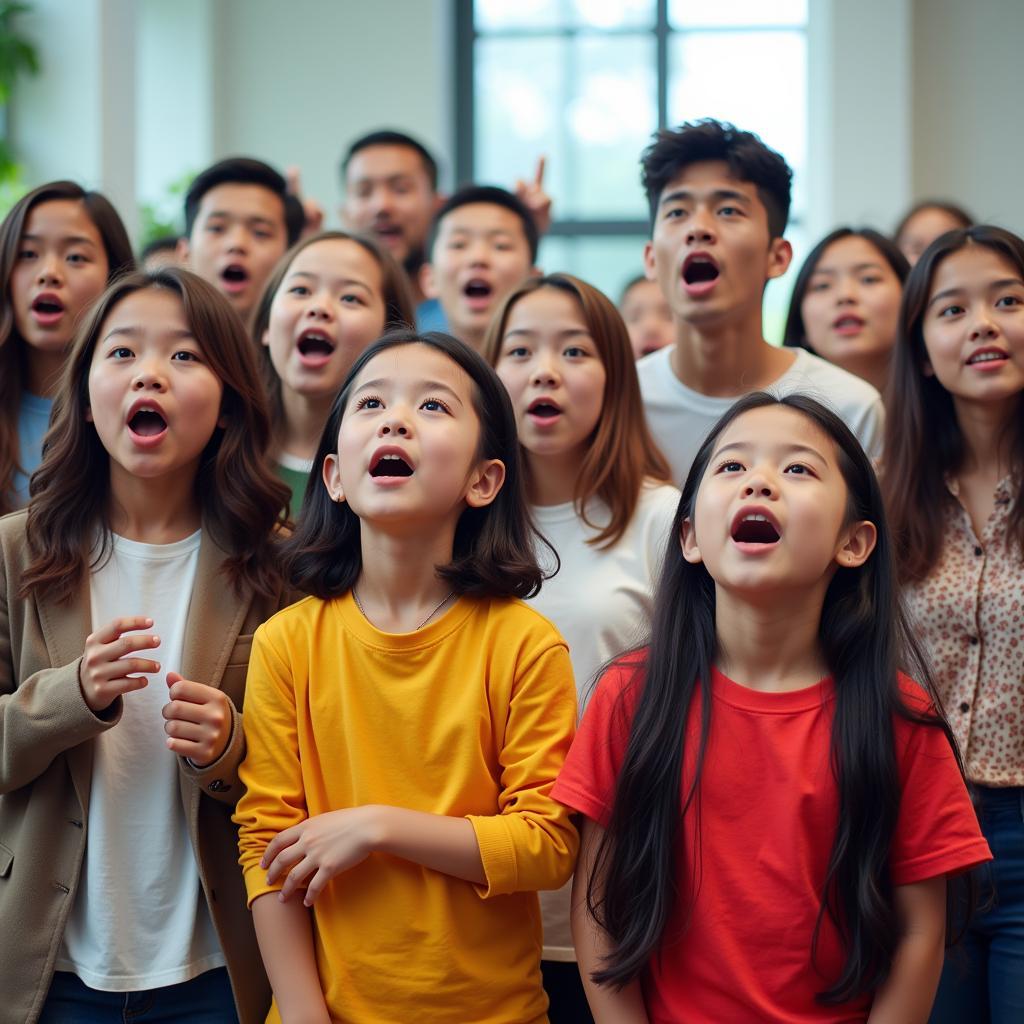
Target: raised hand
317 849
310 207
105 672
536 200
197 720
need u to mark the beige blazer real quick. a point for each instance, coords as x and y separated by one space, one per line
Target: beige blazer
46 751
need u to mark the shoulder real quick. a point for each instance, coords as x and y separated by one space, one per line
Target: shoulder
824 380
508 617
914 697
657 499
14 538
651 370
300 618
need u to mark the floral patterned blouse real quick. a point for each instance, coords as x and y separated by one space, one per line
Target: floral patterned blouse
970 616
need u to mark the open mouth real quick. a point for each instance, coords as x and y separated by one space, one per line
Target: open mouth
387 230
147 423
47 305
316 344
848 323
699 269
544 410
755 528
234 274
390 464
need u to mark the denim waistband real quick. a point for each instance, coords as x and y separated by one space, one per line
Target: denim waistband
1000 801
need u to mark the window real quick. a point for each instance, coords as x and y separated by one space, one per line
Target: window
586 83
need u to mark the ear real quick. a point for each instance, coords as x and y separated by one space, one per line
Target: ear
439 200
688 542
427 281
88 414
485 482
181 250
265 340
780 255
332 478
857 546
926 367
650 271
535 272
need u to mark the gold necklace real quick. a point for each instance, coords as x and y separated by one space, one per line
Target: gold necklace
362 610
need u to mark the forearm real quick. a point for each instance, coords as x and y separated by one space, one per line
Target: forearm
438 842
285 935
909 991
608 1005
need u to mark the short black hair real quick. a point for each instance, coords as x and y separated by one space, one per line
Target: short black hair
165 243
244 170
493 196
495 551
749 160
795 334
388 137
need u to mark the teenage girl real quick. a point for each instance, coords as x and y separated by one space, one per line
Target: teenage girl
59 248
132 585
405 724
771 810
846 301
599 494
330 296
924 222
954 477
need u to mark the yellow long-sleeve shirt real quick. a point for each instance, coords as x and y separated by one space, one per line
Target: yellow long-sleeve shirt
470 716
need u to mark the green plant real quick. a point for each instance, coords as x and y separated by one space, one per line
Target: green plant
17 56
164 216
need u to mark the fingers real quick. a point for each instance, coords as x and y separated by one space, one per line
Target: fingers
293 183
285 860
112 630
297 877
279 842
315 886
538 178
191 692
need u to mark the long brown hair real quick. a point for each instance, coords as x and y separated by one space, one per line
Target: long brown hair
12 355
923 441
399 307
621 453
239 497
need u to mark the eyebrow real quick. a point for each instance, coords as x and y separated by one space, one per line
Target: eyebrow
948 293
250 219
423 385
137 332
530 332
682 194
67 240
315 277
789 449
870 265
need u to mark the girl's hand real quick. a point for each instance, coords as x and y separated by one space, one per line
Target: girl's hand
319 848
198 720
105 673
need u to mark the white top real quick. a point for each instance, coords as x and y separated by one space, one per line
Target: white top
601 602
140 919
681 418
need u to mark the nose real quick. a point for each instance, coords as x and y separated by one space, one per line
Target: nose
699 229
759 485
396 425
50 270
544 373
148 377
319 308
983 328
237 238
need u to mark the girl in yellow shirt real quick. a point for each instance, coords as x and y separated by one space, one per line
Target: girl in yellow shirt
406 722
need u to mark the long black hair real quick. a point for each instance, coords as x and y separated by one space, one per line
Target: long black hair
494 551
865 642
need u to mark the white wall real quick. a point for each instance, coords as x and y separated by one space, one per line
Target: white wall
968 61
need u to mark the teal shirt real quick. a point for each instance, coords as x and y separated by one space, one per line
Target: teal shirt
295 473
33 422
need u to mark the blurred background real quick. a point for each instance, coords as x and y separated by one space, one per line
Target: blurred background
874 103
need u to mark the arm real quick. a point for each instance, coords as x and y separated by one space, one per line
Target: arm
285 936
625 1006
909 991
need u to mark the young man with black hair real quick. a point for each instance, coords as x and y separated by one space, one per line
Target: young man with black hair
719 201
239 221
483 242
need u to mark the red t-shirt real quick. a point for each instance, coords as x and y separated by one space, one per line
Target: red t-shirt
768 807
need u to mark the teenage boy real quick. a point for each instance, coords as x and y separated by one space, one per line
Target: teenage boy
482 244
391 193
239 221
719 201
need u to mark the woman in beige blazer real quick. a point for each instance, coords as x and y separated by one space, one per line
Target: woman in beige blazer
150 338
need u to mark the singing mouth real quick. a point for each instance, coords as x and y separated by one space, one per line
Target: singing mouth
753 527
544 409
315 343
390 463
699 268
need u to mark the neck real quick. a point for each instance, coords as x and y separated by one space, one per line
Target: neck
772 643
153 511
552 478
473 337
987 431
42 371
727 357
304 419
874 369
398 586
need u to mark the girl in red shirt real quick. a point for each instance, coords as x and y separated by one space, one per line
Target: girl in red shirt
771 810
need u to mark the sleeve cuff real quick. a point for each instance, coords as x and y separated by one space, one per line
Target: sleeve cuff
220 779
497 854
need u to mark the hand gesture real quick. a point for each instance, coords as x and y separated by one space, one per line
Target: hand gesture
310 207
198 720
317 849
535 199
105 673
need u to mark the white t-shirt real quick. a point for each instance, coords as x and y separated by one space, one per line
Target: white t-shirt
681 418
140 919
601 602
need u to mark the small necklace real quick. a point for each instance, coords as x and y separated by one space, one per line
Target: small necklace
362 610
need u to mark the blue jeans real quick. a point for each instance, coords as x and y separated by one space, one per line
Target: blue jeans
203 1000
983 978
